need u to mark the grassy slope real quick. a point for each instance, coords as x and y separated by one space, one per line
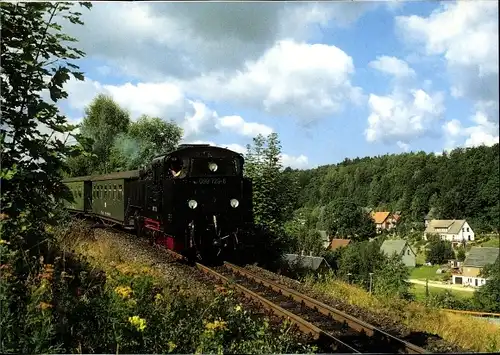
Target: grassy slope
467 332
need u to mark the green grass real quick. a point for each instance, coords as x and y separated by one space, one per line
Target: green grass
423 272
419 292
493 242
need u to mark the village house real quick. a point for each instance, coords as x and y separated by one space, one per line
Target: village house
384 220
402 248
455 231
473 264
313 263
339 243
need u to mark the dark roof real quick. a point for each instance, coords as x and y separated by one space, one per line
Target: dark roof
131 174
480 257
78 178
392 246
305 261
193 150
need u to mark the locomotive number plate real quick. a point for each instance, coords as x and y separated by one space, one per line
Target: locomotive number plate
214 181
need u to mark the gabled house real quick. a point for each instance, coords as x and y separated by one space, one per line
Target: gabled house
384 220
454 230
473 264
339 243
399 247
313 263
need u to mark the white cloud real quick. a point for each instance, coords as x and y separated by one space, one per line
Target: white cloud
393 66
295 162
402 116
309 81
405 147
238 148
484 132
164 100
186 39
465 34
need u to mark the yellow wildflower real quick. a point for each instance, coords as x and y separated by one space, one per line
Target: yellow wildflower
132 302
158 297
44 305
237 308
218 324
137 322
4 241
171 346
123 291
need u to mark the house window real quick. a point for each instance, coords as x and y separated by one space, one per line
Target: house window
467 229
469 237
408 251
463 229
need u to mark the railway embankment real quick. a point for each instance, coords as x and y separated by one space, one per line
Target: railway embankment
155 304
435 330
225 320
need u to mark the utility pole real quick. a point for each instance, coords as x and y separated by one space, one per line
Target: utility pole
426 288
371 279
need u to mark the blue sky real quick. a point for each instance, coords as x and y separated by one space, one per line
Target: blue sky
334 80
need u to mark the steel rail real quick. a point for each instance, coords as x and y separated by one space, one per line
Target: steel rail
352 322
306 327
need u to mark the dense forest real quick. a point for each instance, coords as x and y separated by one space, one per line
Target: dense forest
461 184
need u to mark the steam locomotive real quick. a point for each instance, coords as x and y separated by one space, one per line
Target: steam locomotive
193 200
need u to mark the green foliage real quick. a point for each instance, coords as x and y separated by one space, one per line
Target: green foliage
358 260
36 60
346 219
461 254
391 278
439 251
413 183
487 296
272 189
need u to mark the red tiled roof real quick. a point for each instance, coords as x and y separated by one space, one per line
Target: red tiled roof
380 217
337 243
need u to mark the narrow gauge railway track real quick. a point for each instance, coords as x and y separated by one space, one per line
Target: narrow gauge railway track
333 329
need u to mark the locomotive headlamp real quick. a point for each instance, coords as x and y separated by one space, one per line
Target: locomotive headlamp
234 203
192 204
213 167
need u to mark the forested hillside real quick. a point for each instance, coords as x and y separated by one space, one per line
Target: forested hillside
461 184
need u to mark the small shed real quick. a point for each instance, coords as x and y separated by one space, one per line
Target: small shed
313 263
401 248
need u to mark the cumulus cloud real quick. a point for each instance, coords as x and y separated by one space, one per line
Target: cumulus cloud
484 132
392 66
163 100
403 116
295 162
309 81
187 39
465 34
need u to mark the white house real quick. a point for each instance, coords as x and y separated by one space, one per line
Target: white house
456 231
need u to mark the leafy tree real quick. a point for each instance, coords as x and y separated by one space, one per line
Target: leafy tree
391 279
358 260
36 60
487 296
104 120
439 251
461 254
270 192
346 219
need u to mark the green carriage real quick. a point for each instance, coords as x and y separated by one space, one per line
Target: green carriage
80 188
110 195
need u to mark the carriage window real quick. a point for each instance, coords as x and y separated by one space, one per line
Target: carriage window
114 192
120 192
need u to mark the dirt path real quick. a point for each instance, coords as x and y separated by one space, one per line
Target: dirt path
439 285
